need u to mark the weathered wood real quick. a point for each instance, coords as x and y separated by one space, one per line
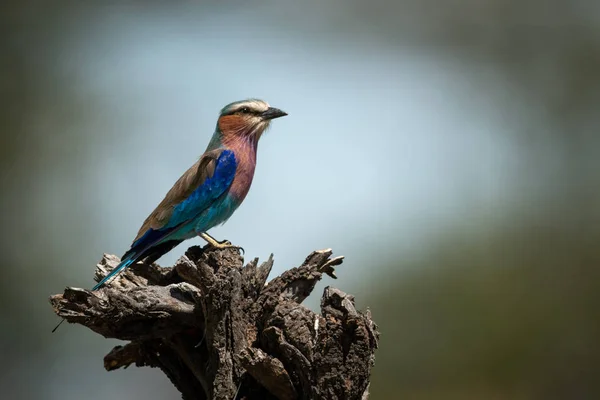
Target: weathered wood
219 331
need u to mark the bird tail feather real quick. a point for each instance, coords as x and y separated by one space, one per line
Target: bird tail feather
122 265
138 252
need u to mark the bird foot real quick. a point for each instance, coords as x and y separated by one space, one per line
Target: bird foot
226 244
223 244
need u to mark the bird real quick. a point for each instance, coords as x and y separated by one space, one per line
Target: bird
210 191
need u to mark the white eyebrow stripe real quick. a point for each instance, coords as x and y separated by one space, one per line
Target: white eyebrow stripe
254 105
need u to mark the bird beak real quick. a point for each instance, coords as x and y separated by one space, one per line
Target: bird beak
273 113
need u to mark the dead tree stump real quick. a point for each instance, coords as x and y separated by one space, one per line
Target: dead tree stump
219 331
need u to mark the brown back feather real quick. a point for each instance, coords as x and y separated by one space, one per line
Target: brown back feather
185 185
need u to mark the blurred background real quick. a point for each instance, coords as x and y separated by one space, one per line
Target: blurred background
450 149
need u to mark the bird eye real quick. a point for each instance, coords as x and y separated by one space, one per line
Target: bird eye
245 110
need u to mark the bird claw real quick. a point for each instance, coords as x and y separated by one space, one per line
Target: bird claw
223 244
226 244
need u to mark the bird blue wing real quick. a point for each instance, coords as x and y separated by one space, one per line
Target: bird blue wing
213 187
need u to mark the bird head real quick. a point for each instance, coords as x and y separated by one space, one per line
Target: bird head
246 119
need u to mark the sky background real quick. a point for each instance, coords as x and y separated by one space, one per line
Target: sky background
449 149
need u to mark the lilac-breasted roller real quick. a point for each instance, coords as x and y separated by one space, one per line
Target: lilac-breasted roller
210 191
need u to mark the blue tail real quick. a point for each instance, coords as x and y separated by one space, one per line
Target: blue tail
137 252
152 244
122 265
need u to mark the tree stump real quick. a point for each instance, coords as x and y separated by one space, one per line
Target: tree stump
219 331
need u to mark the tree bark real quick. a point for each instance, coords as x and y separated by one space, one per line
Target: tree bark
219 331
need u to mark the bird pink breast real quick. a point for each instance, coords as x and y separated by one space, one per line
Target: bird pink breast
237 135
245 155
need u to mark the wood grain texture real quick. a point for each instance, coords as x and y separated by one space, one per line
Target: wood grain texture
219 331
